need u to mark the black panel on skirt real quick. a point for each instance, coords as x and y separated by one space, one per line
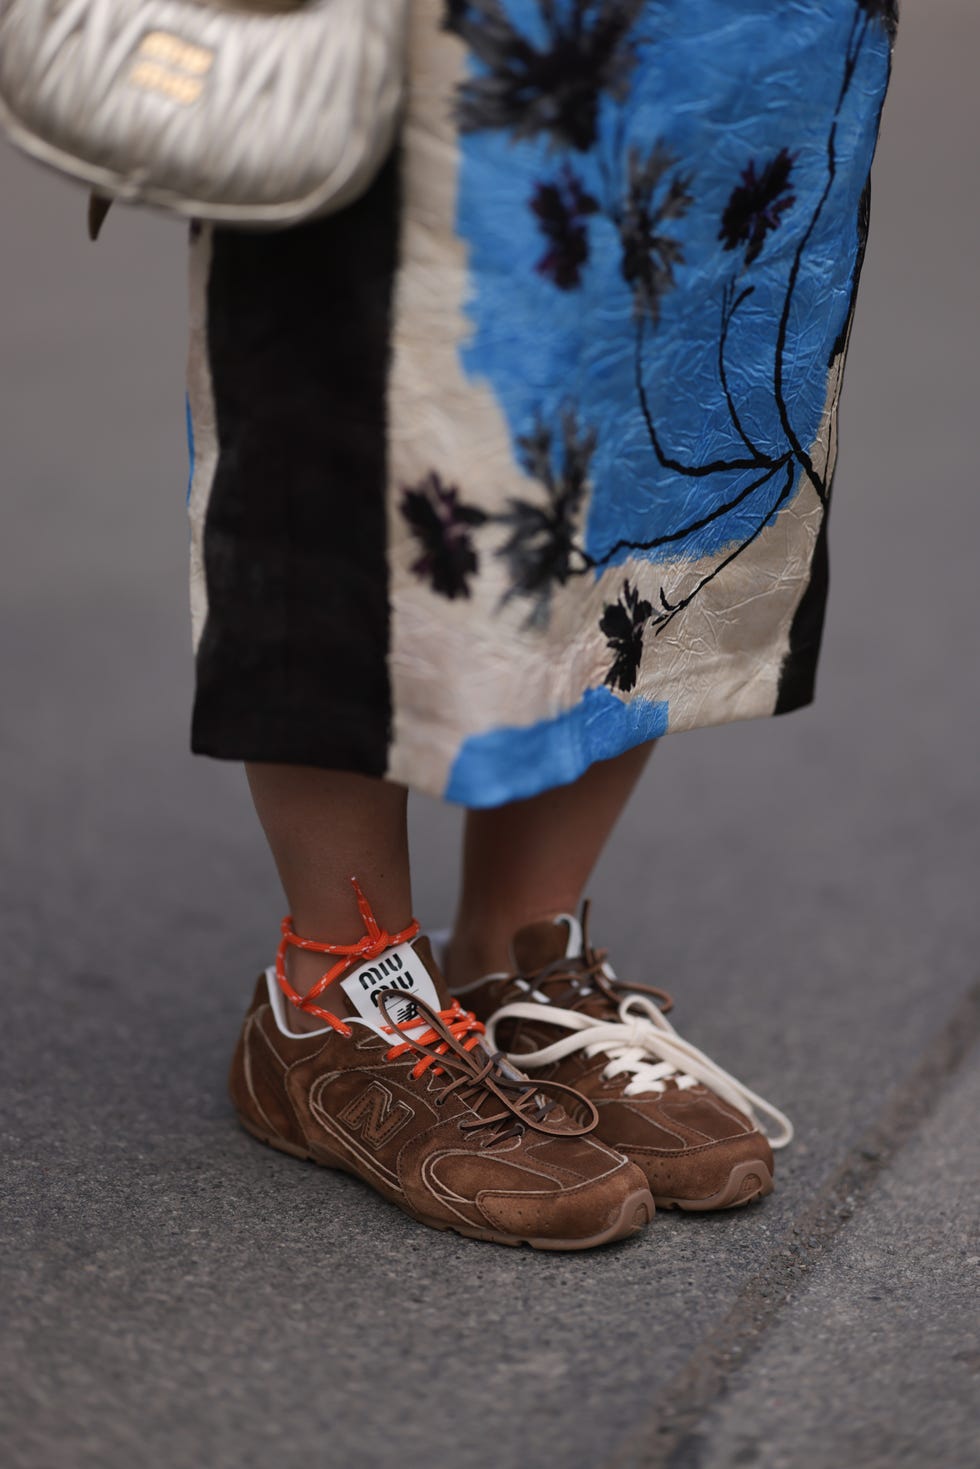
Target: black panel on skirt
292 665
797 677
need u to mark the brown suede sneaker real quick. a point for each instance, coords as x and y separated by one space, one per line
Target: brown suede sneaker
689 1125
403 1093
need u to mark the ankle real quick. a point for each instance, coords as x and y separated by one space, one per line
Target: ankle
471 954
303 971
484 946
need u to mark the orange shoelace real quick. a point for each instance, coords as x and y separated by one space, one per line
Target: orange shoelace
461 1024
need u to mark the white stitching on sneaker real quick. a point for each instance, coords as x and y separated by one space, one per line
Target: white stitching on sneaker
644 1044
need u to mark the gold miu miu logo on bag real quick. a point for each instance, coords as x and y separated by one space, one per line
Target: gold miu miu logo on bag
171 67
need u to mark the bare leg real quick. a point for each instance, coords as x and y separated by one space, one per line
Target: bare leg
532 859
324 827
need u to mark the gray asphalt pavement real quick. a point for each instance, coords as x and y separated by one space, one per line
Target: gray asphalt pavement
176 1295
886 1339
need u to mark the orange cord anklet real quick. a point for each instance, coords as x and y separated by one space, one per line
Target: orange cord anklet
374 942
463 1025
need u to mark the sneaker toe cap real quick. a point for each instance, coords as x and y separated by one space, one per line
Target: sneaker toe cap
608 1207
714 1175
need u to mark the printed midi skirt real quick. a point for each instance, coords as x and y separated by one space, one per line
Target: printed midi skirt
525 457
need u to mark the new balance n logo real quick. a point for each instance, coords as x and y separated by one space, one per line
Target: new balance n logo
375 1115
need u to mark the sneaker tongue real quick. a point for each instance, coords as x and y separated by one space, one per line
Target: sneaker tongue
547 942
411 970
408 969
541 943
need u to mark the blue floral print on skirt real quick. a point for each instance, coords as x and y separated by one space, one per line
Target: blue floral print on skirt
525 457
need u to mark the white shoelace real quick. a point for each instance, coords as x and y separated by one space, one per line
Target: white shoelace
643 1044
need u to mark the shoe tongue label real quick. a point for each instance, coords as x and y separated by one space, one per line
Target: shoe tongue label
399 969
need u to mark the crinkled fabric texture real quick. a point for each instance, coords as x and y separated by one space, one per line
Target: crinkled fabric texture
525 458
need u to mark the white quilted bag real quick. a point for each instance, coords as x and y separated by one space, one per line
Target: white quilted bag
244 118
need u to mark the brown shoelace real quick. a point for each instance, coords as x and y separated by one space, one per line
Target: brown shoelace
474 1074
